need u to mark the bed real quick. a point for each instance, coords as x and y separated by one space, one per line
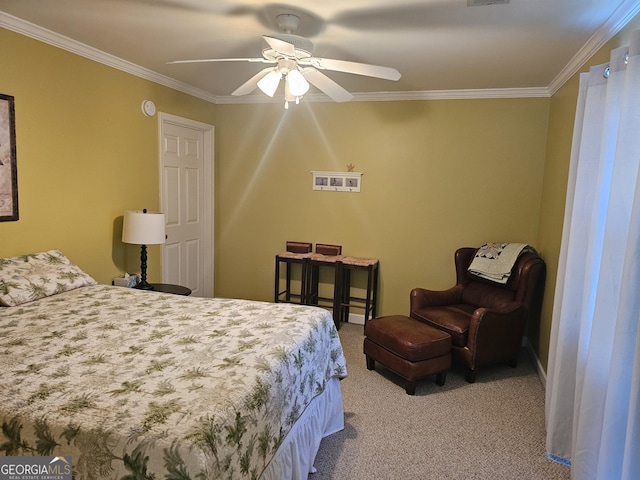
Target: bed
135 384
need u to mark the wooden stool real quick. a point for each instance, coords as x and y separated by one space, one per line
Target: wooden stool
297 253
408 347
346 301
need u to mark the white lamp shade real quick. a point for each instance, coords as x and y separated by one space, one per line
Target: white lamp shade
269 83
143 228
297 84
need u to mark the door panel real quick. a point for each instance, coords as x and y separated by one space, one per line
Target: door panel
192 183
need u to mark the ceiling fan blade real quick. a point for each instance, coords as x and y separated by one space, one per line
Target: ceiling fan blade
251 84
280 46
325 84
377 71
205 60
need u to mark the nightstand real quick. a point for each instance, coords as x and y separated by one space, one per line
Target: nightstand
169 288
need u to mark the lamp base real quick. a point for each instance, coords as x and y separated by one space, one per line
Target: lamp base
144 286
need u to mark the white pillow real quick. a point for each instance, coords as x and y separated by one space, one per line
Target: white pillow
29 277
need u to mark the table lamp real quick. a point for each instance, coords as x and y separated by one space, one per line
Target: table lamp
142 228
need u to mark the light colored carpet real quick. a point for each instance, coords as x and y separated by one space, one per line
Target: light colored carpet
492 429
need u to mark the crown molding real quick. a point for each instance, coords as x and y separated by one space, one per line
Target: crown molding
44 35
620 18
455 94
402 96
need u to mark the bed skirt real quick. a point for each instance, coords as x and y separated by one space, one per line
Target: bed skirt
322 417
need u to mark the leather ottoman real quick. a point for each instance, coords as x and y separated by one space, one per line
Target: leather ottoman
410 348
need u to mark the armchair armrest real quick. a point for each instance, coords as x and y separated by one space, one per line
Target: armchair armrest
493 331
421 297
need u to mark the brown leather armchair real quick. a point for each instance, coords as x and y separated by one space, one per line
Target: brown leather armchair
486 320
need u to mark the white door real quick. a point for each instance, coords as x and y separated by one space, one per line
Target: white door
186 156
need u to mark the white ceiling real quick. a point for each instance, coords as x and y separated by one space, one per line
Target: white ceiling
441 47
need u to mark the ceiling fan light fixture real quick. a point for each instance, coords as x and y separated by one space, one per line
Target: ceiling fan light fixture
269 83
296 83
295 63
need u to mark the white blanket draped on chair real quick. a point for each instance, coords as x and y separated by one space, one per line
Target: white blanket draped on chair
494 261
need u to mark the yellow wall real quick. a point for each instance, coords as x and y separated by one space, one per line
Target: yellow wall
85 154
437 175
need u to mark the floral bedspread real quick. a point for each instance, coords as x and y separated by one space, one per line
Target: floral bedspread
137 384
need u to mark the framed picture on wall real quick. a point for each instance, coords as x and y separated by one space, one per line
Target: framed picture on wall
8 168
336 181
321 181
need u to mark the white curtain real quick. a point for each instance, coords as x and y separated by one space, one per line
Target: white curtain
593 381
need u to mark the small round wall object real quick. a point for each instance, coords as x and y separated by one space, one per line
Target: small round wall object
148 108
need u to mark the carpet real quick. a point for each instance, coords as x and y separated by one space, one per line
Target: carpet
491 429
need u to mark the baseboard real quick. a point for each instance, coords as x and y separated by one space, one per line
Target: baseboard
542 375
356 318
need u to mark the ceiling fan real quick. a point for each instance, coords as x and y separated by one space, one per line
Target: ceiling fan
294 62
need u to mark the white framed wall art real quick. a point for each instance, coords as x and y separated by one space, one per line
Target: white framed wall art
337 181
